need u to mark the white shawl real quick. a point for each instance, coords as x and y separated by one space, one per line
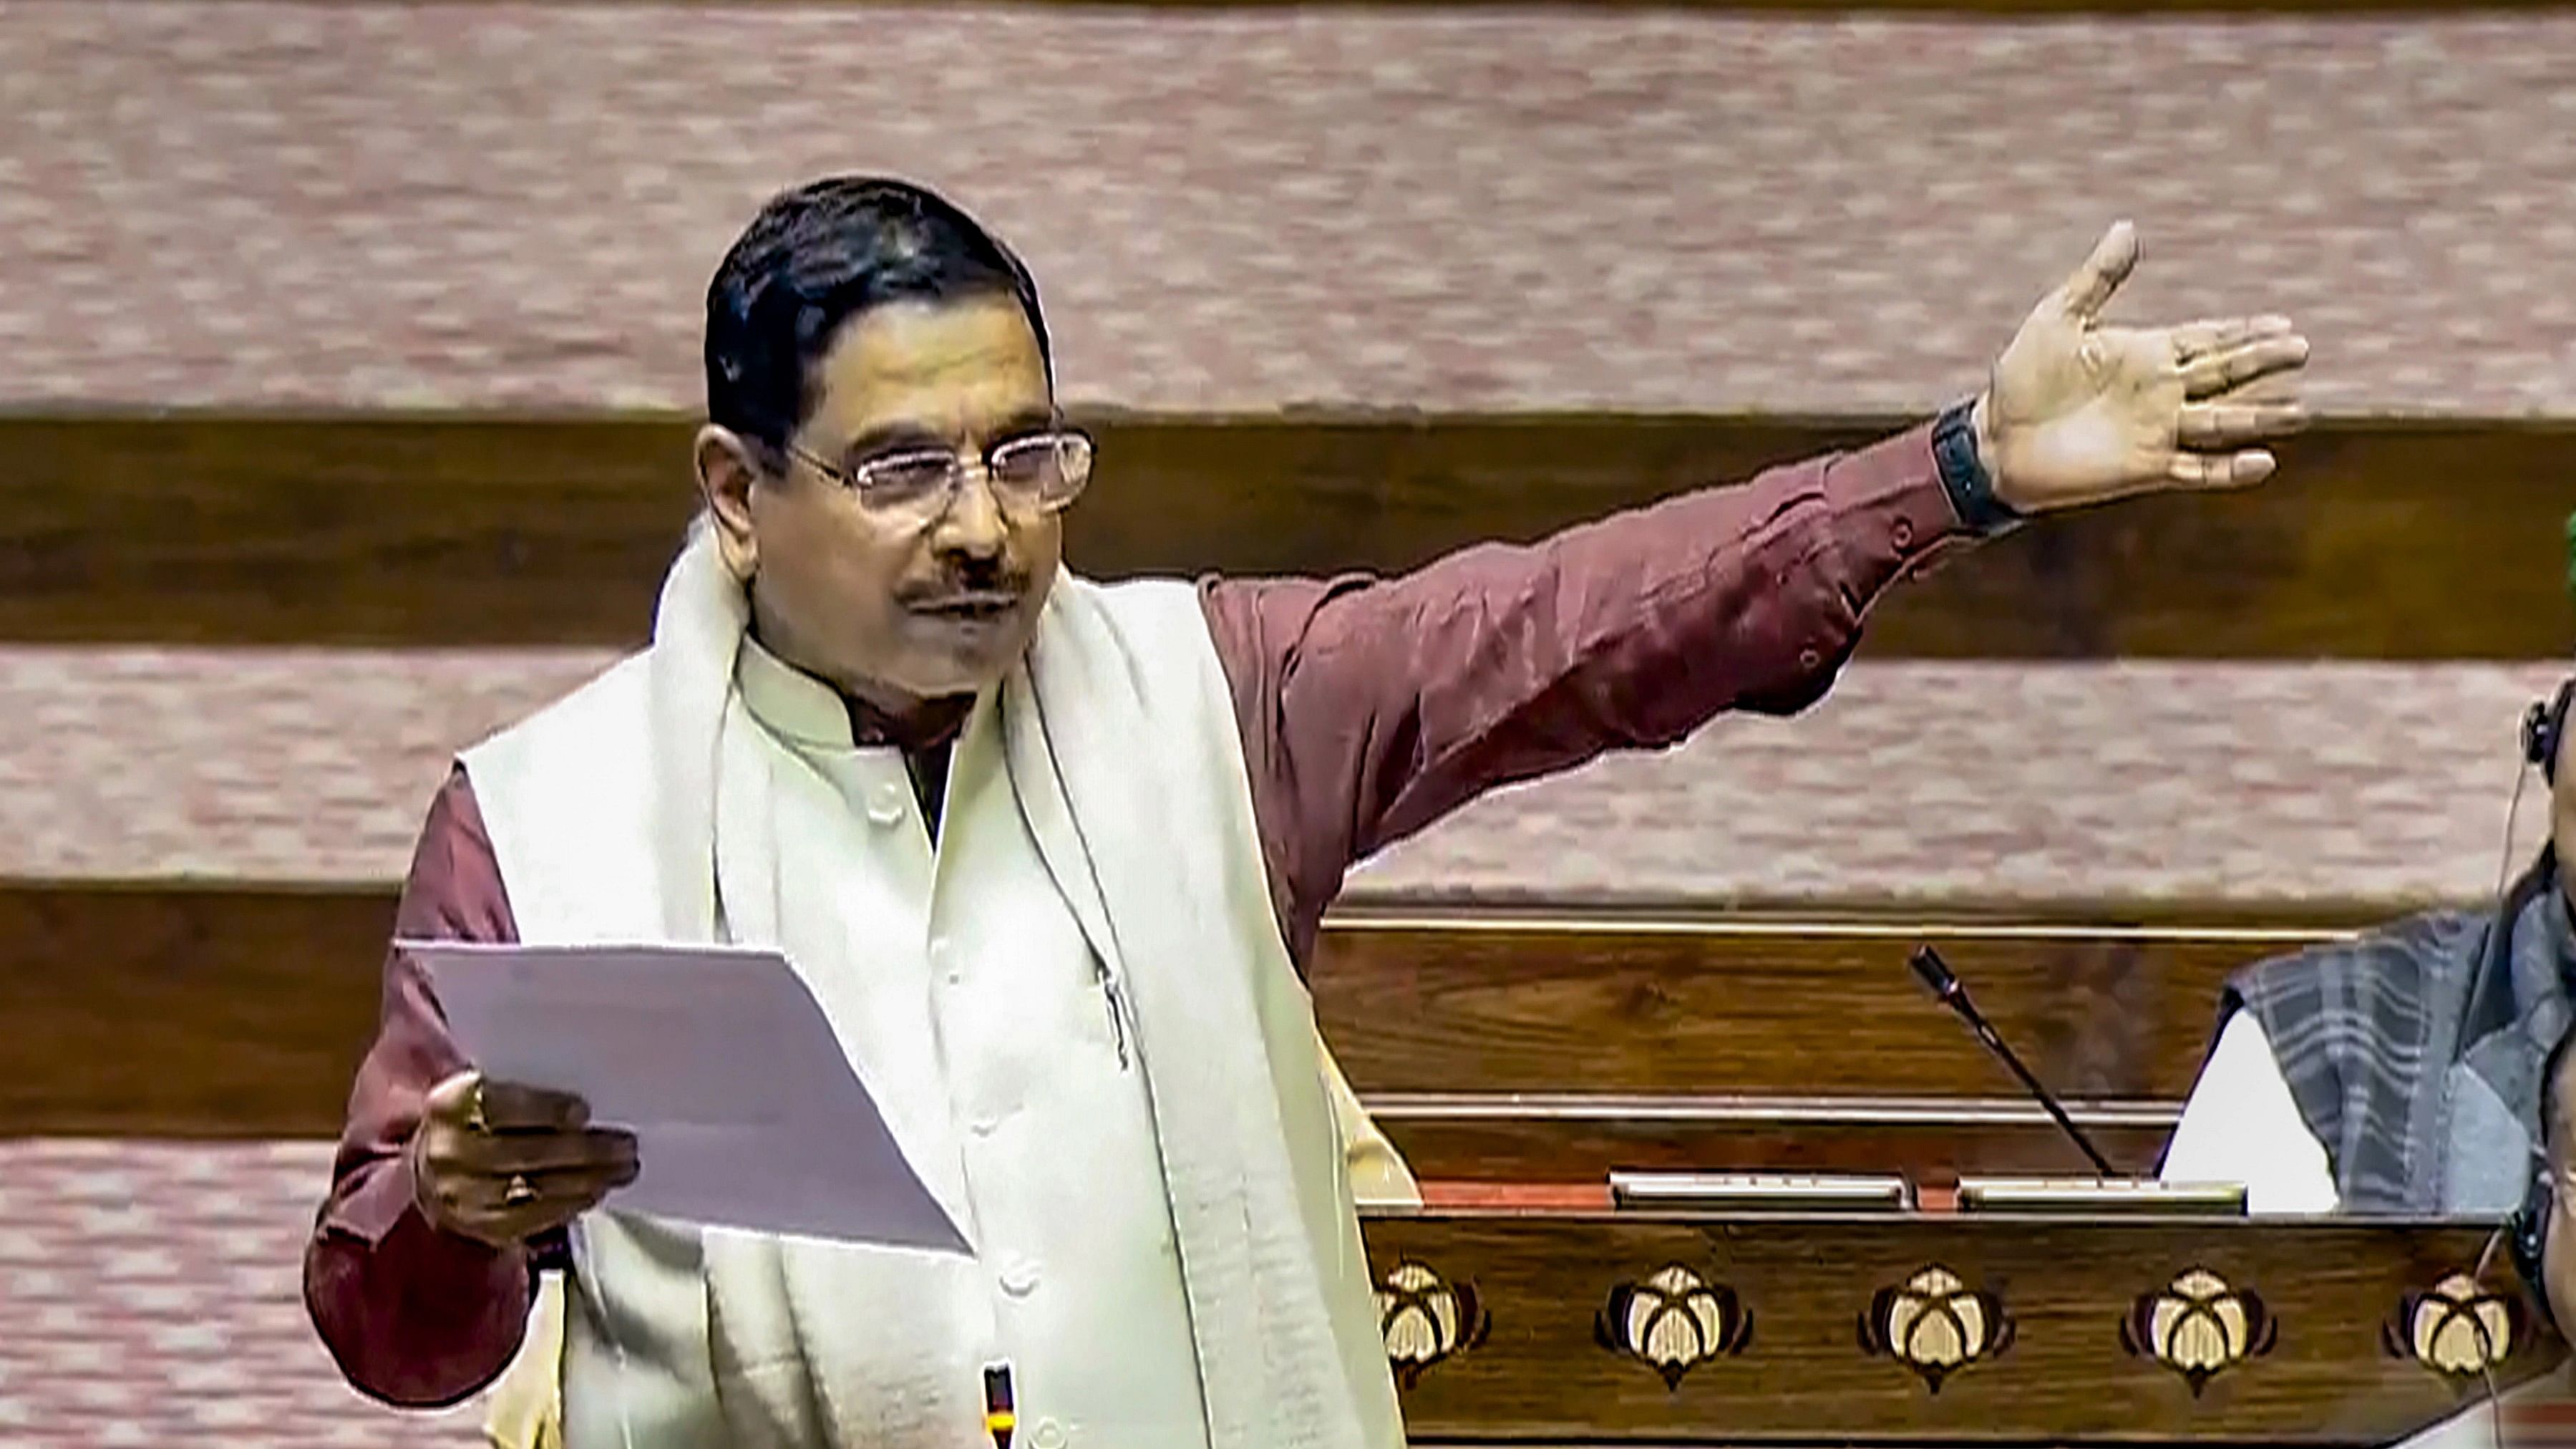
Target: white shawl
1124 753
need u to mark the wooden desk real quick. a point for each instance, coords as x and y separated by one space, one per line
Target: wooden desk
1630 1327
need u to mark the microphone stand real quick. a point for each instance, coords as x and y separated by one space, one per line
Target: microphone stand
1953 993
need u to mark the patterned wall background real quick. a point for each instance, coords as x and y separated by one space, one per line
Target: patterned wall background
392 205
261 205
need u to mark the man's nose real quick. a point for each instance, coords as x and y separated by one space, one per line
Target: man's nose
973 524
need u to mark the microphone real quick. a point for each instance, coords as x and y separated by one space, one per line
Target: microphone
1953 993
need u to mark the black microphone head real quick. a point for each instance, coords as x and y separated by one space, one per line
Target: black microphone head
1935 972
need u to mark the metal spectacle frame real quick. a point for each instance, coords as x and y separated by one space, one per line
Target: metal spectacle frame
1073 447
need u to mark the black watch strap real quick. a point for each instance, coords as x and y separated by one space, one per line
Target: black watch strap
1963 477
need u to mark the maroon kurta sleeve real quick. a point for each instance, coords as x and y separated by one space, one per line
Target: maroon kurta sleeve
416 1316
1370 708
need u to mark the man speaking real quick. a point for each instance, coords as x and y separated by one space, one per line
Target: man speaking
1051 855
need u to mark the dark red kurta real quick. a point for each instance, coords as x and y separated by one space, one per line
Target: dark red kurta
1369 709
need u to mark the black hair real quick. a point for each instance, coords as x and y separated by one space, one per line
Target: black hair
819 255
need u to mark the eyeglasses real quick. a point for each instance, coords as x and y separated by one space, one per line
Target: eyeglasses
1033 473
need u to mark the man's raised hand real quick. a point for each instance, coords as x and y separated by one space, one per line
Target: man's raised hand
2078 411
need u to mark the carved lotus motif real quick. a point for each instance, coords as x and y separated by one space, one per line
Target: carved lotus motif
1935 1325
1425 1320
1673 1322
2199 1327
2458 1329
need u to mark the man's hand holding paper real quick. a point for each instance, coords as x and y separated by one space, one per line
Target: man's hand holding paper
501 1162
721 1094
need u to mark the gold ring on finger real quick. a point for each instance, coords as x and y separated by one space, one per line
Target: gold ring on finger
519 1192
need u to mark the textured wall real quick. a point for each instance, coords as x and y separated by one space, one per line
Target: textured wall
150 1298
395 205
1912 781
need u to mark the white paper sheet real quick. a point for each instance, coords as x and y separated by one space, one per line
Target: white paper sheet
745 1112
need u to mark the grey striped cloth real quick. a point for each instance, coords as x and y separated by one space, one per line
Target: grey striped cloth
2414 1052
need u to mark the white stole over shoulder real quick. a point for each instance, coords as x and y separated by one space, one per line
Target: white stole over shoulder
606 814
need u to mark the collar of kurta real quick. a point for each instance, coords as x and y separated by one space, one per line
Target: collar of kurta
816 716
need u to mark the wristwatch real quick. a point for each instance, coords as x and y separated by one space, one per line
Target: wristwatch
1964 477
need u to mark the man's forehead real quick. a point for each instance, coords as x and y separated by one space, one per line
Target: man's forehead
939 365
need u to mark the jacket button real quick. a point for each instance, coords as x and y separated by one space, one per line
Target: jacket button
1050 1435
1903 532
885 807
1809 659
1020 1278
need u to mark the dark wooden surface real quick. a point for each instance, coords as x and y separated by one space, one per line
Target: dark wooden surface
337 531
1719 1009
2066 1284
191 1011
2380 540
1501 1138
171 1011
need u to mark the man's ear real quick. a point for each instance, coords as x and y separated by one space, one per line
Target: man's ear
726 476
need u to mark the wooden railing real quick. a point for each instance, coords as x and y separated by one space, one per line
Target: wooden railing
1577 1040
432 530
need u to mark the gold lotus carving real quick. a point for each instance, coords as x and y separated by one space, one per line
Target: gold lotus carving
1673 1321
2457 1328
2199 1326
1424 1319
1935 1325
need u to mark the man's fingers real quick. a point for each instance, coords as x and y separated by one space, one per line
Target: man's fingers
2212 334
574 1187
488 1209
2220 470
500 1153
2210 426
2113 257
516 1107
2225 369
508 1207
2274 387
452 1100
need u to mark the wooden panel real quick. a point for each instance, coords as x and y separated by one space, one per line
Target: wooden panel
2335 558
180 1012
1437 1005
2064 1378
172 1007
186 1010
1519 1138
338 531
2382 540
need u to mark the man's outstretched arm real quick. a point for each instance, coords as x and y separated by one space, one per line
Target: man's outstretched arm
1370 708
